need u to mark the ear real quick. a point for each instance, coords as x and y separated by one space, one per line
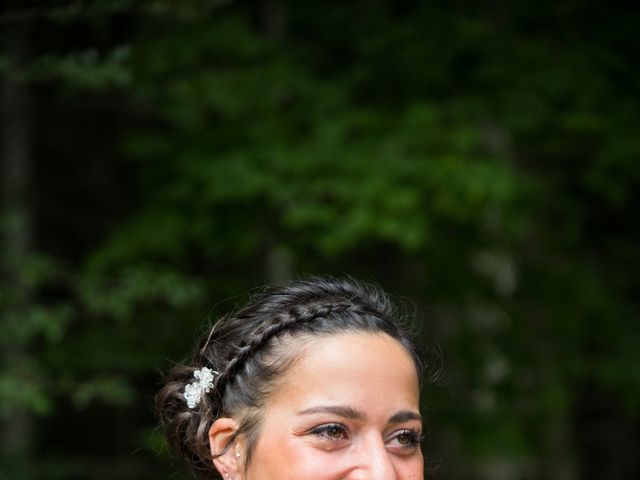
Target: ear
221 439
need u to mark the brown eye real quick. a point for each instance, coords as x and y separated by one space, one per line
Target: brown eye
406 438
333 431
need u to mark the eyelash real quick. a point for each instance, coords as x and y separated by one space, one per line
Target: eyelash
414 437
323 431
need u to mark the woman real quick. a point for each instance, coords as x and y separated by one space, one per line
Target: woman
317 380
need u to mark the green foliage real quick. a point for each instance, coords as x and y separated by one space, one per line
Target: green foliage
82 70
114 391
481 161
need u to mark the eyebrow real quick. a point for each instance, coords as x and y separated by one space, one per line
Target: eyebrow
346 412
405 415
353 414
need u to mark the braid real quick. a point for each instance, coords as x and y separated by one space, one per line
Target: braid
295 316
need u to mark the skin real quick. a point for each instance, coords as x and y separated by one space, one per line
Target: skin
348 409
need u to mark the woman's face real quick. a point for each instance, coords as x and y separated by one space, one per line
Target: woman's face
347 409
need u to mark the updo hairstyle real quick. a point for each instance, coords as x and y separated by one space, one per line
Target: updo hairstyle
253 347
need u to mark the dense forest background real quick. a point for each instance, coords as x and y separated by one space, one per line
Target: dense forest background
160 158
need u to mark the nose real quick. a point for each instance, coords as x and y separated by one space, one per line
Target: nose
375 462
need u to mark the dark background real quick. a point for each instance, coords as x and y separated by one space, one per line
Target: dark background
160 158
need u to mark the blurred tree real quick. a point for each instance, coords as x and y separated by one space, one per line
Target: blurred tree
481 161
17 222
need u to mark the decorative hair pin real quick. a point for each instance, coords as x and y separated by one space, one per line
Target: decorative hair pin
194 392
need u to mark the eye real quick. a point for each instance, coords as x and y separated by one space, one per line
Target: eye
406 439
331 431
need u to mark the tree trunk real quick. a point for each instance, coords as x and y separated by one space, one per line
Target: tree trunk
17 428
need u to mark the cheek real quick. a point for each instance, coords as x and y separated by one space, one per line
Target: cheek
290 459
415 471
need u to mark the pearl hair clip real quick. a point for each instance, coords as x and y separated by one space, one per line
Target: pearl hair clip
194 392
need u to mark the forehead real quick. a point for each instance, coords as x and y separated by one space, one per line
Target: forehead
366 370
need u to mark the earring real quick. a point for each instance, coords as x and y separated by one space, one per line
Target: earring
237 454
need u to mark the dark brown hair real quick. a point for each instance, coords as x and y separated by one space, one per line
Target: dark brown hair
251 349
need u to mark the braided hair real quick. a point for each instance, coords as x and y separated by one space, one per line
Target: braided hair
251 349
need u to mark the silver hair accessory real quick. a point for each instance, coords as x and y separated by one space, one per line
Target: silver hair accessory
194 392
